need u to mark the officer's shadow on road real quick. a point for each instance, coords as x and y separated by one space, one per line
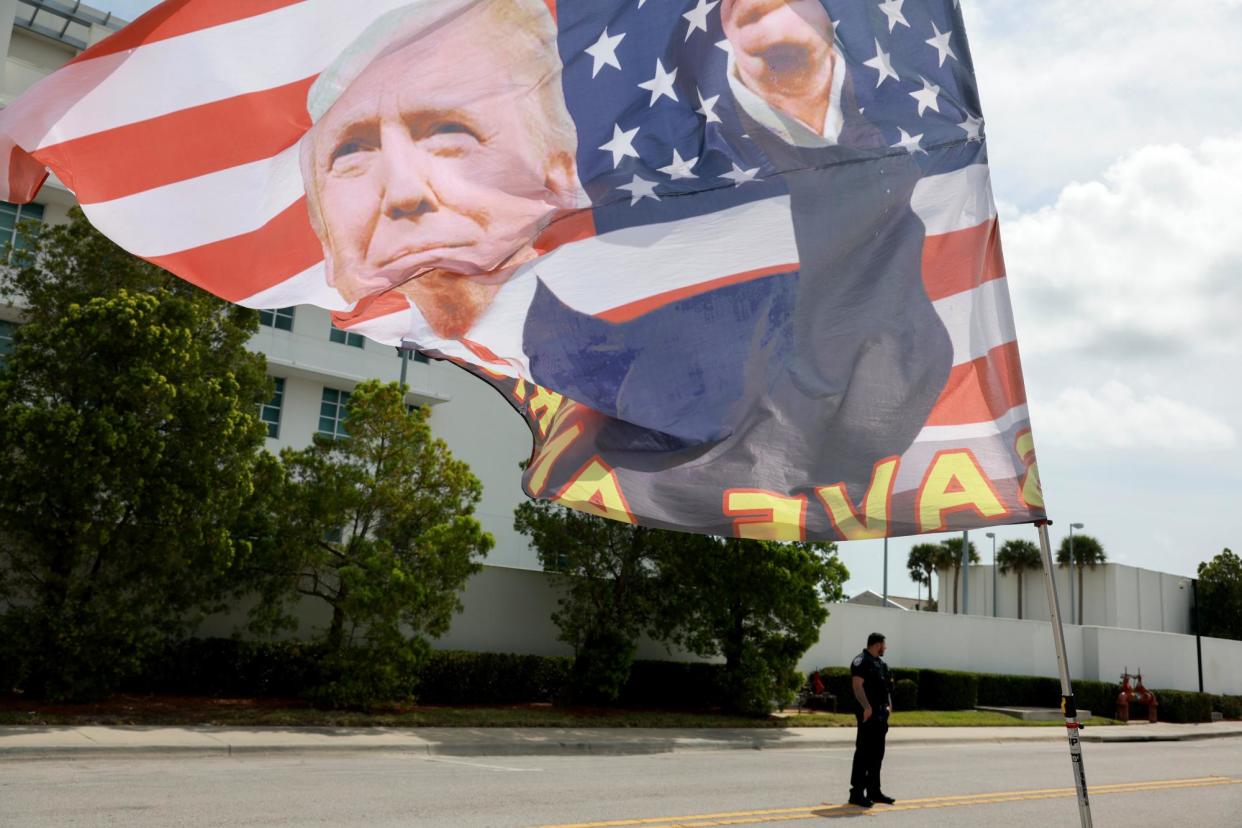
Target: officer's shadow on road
840 812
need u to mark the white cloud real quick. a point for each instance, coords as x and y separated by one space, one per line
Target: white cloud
1140 266
1114 416
1068 86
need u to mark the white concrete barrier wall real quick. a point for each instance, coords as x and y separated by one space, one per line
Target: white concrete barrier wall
509 610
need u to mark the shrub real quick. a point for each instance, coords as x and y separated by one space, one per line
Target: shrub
674 684
948 690
999 690
1228 706
905 695
1100 697
226 667
451 677
1182 706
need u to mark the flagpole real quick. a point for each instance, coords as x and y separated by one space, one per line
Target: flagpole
1068 709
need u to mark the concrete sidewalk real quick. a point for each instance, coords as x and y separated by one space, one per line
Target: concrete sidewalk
50 741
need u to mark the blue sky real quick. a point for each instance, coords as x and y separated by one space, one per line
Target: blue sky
1116 153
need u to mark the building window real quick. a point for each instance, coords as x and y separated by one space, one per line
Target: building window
332 411
353 340
11 215
416 356
281 318
269 412
7 329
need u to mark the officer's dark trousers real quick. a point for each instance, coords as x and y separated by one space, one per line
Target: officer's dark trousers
868 755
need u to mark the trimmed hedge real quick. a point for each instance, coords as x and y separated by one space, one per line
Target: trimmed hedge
1183 706
674 684
948 690
451 677
1228 706
905 695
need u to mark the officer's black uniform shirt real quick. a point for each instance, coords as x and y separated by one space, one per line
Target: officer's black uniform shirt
876 680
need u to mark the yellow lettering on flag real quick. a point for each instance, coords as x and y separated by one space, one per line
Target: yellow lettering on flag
547 457
873 522
764 515
544 404
519 390
1031 492
955 483
596 491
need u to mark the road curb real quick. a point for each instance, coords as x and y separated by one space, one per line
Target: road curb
558 747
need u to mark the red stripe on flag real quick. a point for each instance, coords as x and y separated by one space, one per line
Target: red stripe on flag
181 145
371 307
962 260
243 265
569 227
26 177
981 390
633 310
174 18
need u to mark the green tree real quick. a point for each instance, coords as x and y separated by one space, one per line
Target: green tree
950 557
605 570
758 604
1220 596
1088 552
378 526
921 564
1018 556
129 440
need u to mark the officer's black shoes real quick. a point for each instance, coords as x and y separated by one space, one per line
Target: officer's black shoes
881 798
860 801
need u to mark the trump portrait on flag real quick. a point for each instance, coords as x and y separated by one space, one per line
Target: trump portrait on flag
441 149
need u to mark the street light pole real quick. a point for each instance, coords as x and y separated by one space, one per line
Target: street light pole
992 535
1073 526
886 570
965 572
1194 585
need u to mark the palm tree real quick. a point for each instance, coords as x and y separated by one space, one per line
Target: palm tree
921 563
1087 552
1018 556
950 557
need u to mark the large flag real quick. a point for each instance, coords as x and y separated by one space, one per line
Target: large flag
737 261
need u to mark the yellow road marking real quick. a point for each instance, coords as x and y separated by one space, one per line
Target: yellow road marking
827 809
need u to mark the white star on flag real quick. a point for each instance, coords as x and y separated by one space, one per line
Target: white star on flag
740 176
696 18
973 127
927 97
882 63
724 46
640 188
604 52
892 10
940 42
679 167
661 84
910 143
707 108
621 145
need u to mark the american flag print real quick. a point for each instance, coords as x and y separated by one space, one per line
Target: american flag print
737 261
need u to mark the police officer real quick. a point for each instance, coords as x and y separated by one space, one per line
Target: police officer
873 692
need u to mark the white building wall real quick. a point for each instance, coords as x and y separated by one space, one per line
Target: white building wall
1115 595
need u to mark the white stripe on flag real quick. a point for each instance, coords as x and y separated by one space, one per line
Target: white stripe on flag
977 320
201 210
310 287
973 431
954 201
650 260
208 65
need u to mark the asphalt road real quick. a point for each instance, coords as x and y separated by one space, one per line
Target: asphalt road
1162 784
